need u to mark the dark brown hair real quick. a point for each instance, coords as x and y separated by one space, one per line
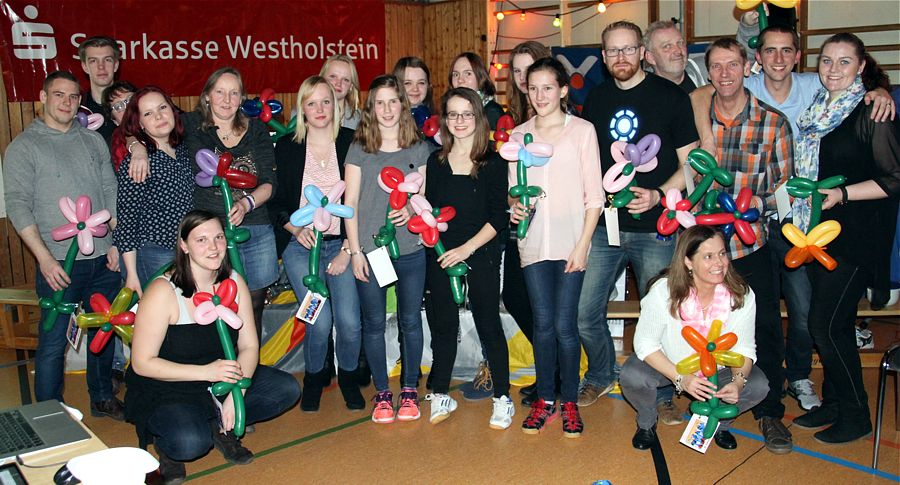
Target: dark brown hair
727 43
781 29
131 120
555 67
415 62
112 90
368 134
873 76
481 144
182 277
485 85
518 100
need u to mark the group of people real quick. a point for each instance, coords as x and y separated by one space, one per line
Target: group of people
171 234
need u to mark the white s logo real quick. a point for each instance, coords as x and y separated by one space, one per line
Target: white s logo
33 40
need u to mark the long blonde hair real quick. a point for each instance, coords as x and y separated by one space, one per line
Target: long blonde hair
306 89
368 134
352 98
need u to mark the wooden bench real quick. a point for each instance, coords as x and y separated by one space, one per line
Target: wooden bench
20 315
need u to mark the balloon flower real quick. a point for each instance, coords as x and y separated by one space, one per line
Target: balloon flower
712 350
429 223
221 309
501 134
431 128
705 164
677 211
399 188
763 15
91 121
803 187
84 226
264 107
319 210
216 171
110 318
809 247
736 216
521 149
629 159
421 114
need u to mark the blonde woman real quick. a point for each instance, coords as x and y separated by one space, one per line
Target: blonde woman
340 72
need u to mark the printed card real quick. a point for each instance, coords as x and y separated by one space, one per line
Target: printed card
73 331
611 214
782 202
382 268
311 307
693 434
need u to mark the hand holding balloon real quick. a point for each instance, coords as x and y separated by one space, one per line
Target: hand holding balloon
521 149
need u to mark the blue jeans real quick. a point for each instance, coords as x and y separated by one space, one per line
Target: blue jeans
342 310
410 287
648 256
88 276
259 256
554 302
797 290
183 433
150 258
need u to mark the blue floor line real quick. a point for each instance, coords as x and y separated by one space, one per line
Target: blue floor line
814 454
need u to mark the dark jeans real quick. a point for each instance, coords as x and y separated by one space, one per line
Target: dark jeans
832 320
150 258
794 285
554 301
756 269
483 282
515 294
183 433
88 276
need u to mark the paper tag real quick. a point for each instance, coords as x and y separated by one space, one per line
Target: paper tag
783 202
218 410
73 331
612 225
693 434
382 268
310 307
689 174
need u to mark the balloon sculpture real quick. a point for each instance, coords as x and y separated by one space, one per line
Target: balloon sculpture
319 211
421 114
221 309
712 350
216 171
705 164
803 187
808 247
85 226
91 121
264 107
521 149
736 216
400 187
501 134
109 318
431 128
429 223
763 16
676 211
629 159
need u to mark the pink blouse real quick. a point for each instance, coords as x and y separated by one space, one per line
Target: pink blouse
324 179
559 216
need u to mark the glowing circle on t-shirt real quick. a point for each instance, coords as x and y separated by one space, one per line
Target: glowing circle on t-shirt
623 125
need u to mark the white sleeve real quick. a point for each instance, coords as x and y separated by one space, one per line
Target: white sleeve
652 323
743 324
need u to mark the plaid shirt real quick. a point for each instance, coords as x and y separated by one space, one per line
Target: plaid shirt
757 148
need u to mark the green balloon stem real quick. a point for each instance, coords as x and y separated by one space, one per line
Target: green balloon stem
237 396
56 300
231 245
456 289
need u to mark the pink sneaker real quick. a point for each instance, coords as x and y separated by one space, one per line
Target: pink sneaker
384 408
409 405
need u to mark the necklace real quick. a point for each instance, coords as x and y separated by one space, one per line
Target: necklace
227 136
316 152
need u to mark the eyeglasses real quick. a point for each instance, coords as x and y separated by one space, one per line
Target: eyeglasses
628 51
465 115
120 105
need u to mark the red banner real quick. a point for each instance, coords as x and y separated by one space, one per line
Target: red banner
176 44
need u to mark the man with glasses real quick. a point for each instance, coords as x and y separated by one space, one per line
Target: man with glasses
626 108
100 61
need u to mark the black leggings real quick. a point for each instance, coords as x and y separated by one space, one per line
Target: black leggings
483 281
515 295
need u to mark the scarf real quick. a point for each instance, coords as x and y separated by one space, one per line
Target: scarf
820 119
692 314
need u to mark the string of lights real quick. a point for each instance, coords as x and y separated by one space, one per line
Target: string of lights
557 17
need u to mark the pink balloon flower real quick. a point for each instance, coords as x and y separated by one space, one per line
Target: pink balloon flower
81 223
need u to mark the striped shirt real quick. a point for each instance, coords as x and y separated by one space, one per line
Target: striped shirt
756 147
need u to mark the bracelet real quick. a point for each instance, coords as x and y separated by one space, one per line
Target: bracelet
250 200
354 253
844 197
132 144
347 250
678 381
741 375
661 194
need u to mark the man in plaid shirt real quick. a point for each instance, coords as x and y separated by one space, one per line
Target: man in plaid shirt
753 141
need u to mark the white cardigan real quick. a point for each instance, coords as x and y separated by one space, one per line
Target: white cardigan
657 329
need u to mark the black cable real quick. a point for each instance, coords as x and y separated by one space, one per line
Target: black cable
549 14
659 462
544 36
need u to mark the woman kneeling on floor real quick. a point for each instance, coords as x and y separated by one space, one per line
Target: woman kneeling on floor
174 359
695 290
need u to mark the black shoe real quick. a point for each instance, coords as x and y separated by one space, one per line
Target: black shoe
313 384
777 437
347 381
844 432
820 417
643 439
528 390
118 380
110 408
428 382
725 440
230 446
172 472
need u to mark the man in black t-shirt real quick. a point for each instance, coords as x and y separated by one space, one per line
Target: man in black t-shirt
628 107
100 61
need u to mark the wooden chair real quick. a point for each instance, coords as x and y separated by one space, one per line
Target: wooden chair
20 315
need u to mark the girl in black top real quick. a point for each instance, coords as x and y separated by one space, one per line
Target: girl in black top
467 175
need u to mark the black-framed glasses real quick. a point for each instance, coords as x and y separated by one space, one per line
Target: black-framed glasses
628 51
465 115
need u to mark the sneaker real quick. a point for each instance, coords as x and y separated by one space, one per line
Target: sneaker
777 437
669 413
804 392
541 415
383 412
231 448
589 393
864 339
481 387
172 472
818 418
110 408
409 405
504 410
572 424
441 407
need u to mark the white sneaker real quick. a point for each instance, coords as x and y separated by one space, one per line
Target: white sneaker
504 410
805 394
441 407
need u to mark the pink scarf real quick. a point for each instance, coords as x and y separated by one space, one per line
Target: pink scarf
692 314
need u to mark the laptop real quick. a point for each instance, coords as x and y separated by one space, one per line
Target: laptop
37 427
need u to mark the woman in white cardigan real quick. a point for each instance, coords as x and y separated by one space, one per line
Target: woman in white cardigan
695 290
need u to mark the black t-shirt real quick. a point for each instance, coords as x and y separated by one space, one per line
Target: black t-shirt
654 106
687 84
108 126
